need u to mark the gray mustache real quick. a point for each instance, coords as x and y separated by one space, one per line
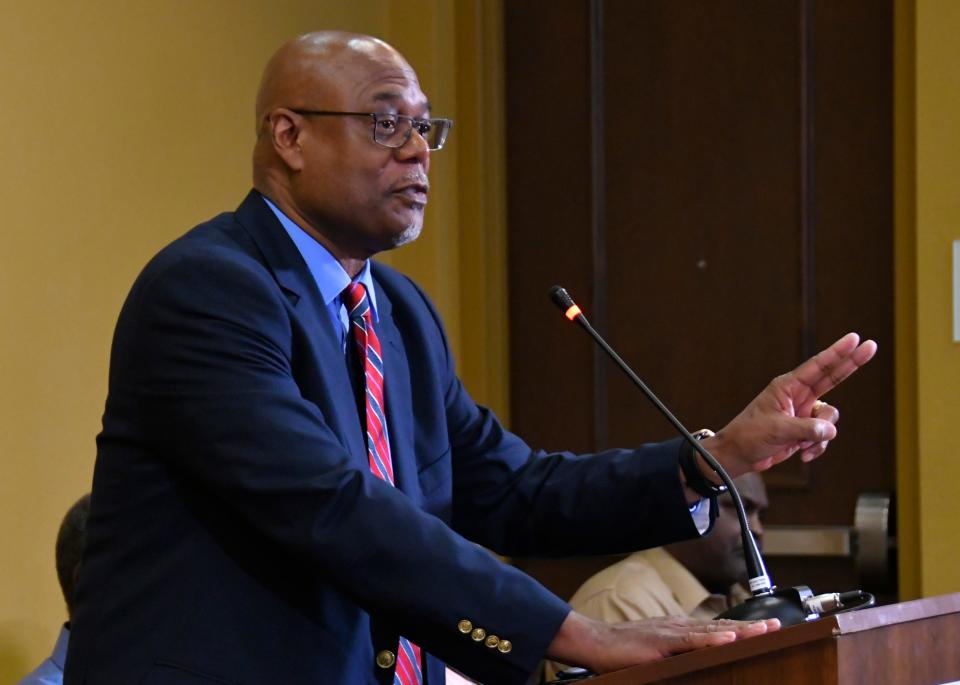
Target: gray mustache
412 179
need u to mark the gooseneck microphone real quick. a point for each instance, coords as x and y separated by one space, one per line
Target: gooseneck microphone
766 602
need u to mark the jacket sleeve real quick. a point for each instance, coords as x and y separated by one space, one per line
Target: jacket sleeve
518 501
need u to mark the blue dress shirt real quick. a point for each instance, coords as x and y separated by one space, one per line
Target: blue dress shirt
50 672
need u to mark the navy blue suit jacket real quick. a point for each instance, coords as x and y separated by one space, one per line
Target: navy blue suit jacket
237 534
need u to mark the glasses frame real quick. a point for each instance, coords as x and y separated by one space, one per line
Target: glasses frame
376 116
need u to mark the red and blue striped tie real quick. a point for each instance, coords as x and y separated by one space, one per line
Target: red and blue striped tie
408 670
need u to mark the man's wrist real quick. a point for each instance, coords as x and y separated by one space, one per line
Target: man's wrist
713 444
698 475
577 641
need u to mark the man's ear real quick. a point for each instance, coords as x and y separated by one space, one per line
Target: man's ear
283 127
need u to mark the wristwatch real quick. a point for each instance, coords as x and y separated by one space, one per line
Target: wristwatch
689 465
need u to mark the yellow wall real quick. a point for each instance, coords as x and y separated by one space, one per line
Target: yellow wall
928 363
123 124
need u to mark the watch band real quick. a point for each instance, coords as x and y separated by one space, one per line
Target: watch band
694 477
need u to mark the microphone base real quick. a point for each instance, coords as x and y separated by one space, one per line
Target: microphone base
785 604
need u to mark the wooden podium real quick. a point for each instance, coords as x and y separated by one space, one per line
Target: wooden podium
901 644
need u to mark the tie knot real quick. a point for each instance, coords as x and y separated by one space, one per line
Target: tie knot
355 298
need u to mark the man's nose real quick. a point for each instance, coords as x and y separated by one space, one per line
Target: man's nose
415 149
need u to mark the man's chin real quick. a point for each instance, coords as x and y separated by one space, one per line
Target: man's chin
398 227
406 234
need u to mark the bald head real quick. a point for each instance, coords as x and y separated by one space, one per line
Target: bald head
317 157
318 65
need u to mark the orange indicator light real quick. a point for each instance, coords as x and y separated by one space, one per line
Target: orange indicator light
573 312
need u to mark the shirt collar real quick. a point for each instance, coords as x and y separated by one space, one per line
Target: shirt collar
59 656
327 272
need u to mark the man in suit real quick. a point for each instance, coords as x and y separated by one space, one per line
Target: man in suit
290 478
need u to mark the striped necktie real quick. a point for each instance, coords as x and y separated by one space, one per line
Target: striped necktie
408 671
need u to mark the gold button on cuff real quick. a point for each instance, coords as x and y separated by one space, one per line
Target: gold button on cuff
492 641
505 646
386 658
465 627
478 634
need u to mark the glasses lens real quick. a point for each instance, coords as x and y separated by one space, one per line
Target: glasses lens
394 130
390 130
436 132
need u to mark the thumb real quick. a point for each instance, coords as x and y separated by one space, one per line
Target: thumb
797 429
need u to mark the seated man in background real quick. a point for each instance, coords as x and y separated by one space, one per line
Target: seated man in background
699 578
70 540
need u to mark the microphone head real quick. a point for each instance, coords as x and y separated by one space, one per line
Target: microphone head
561 298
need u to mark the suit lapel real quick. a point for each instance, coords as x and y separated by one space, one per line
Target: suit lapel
285 262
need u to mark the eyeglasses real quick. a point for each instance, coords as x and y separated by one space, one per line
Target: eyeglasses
394 130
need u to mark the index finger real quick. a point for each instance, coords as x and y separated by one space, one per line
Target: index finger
829 368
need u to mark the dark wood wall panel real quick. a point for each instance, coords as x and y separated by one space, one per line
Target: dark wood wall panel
737 217
549 202
853 264
702 206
